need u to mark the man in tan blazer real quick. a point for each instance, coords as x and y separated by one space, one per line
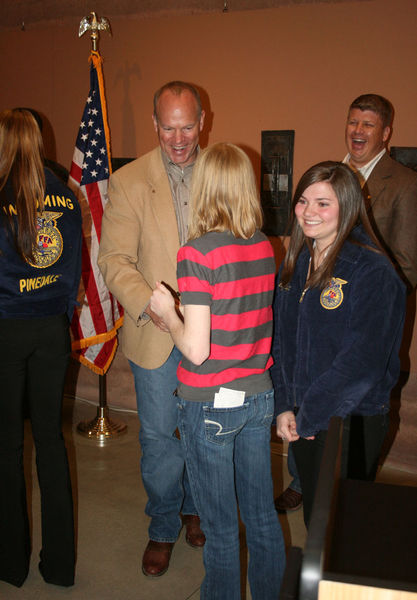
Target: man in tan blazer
144 224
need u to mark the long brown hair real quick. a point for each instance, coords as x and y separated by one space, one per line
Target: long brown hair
21 163
352 212
223 193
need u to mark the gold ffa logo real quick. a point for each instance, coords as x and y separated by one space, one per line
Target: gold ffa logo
332 295
48 242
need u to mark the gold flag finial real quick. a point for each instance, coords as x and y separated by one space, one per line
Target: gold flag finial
95 25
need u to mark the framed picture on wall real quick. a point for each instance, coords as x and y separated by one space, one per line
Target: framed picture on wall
277 150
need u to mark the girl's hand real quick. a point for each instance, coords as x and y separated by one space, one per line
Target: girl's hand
286 426
162 301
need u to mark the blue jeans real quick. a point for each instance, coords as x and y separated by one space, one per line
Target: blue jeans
228 463
162 462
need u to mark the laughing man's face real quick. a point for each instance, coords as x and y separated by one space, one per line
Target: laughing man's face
365 136
178 126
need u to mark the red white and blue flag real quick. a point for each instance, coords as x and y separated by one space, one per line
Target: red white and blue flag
95 323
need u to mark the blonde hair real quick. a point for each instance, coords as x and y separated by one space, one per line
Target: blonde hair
21 162
223 193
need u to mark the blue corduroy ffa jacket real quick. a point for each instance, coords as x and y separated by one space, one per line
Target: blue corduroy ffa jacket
49 285
336 350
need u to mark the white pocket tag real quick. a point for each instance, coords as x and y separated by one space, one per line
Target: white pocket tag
226 398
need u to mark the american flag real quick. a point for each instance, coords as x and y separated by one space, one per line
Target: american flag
98 317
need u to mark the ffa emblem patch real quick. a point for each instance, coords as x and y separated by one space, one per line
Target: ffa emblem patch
48 242
332 295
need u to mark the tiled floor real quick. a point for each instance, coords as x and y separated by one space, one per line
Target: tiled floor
112 526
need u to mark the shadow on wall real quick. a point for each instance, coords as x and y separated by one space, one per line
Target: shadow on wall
125 76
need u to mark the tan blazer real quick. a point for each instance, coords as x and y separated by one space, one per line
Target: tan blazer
139 245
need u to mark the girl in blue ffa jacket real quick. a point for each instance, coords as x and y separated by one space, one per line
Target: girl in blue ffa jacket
339 312
40 265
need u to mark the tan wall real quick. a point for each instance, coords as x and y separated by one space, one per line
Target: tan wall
295 67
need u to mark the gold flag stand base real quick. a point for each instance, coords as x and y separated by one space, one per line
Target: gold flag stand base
101 428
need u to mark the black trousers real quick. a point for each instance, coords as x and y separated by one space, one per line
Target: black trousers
363 437
34 356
